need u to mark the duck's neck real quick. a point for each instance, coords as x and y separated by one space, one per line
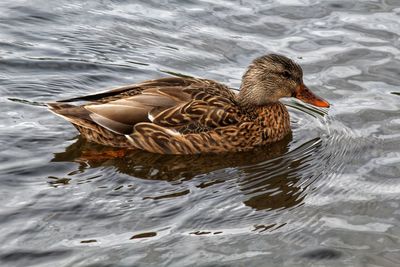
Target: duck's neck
248 104
251 98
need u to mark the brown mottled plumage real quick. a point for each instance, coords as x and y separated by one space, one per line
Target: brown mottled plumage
179 115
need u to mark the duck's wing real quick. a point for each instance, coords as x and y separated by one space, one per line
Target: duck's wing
182 105
197 126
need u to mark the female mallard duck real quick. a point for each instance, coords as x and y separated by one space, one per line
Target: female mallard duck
189 115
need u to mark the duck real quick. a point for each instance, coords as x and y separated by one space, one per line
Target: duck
188 115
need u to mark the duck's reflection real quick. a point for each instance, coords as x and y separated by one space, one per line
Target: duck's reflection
269 181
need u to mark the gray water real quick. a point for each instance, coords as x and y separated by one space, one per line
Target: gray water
326 196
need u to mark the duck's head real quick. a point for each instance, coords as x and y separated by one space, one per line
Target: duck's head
272 77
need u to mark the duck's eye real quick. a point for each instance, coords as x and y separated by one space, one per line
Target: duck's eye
286 74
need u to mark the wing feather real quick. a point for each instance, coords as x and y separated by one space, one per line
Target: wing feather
208 114
111 125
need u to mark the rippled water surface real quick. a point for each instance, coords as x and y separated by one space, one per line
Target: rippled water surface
328 195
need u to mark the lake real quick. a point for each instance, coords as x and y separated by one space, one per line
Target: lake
328 195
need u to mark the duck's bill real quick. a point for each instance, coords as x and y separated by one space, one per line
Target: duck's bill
305 95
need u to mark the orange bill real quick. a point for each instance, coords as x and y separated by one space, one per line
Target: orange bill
305 95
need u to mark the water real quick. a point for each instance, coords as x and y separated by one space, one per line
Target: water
326 196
